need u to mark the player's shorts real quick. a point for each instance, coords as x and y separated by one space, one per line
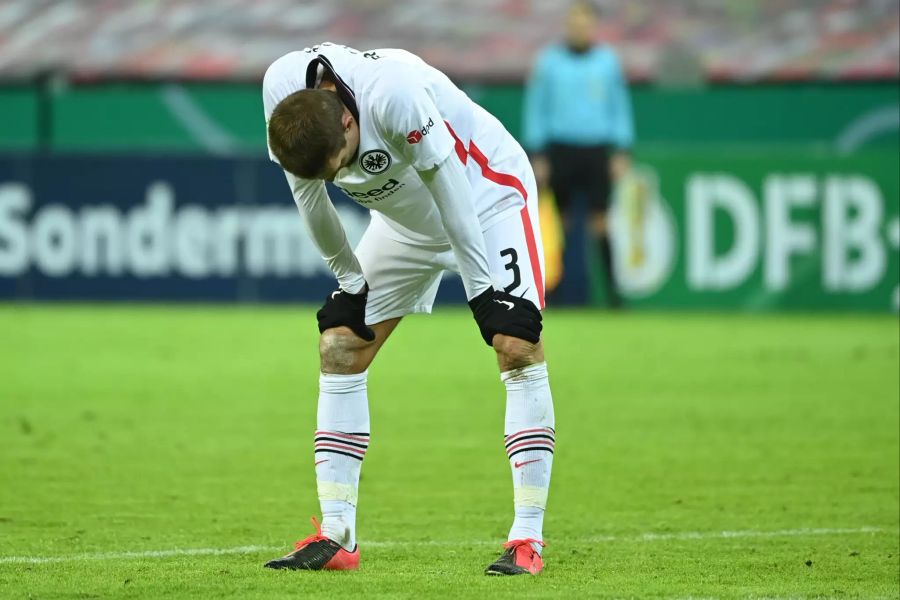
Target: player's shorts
580 170
404 277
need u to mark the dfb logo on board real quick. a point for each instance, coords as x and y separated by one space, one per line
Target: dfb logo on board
644 234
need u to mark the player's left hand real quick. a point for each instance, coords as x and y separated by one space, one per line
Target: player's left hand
343 309
497 311
619 165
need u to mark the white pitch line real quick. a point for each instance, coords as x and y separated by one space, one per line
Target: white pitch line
712 535
641 537
37 560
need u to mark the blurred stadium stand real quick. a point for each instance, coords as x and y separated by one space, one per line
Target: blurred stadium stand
472 39
133 165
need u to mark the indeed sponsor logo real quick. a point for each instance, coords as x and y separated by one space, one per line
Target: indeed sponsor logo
378 193
415 136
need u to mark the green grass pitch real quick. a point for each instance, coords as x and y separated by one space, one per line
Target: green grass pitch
166 452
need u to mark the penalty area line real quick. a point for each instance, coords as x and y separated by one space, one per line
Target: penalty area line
641 537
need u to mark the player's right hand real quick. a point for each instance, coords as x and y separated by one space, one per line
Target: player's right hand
541 167
497 311
343 309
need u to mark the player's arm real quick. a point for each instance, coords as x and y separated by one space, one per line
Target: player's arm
452 194
347 306
495 311
535 114
408 109
537 106
327 232
621 119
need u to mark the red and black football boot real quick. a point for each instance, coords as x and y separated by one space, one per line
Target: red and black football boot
317 552
519 558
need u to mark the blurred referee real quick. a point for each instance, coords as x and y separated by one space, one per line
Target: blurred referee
578 126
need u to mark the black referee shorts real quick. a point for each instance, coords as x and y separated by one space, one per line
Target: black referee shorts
580 170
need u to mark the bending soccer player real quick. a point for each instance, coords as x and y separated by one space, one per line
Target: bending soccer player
448 188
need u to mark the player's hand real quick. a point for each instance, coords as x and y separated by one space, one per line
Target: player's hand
541 167
500 312
619 165
343 309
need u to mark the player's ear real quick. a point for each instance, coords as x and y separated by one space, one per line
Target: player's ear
346 119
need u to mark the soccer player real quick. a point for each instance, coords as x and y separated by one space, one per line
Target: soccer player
448 188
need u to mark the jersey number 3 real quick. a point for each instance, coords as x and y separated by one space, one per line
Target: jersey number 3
513 266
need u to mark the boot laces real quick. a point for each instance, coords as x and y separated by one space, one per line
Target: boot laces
522 542
316 537
526 543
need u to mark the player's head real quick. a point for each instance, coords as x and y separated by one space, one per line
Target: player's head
312 134
581 25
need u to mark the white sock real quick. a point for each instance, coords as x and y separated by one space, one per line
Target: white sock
529 440
341 441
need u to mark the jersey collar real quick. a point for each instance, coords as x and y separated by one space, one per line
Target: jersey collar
343 90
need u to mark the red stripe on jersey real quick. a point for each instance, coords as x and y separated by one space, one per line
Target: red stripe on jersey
510 181
513 182
492 175
533 254
458 146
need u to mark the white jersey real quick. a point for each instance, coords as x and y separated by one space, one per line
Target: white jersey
411 117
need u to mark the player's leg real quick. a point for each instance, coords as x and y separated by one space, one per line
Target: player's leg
516 257
342 425
599 189
342 352
564 178
401 281
341 440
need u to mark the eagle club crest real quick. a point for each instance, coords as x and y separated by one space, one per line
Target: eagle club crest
375 161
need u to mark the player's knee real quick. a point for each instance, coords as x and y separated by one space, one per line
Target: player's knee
515 353
342 352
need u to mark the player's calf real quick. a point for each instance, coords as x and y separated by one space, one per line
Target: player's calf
515 353
529 440
342 352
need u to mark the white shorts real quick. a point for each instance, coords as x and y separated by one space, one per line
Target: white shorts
404 276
